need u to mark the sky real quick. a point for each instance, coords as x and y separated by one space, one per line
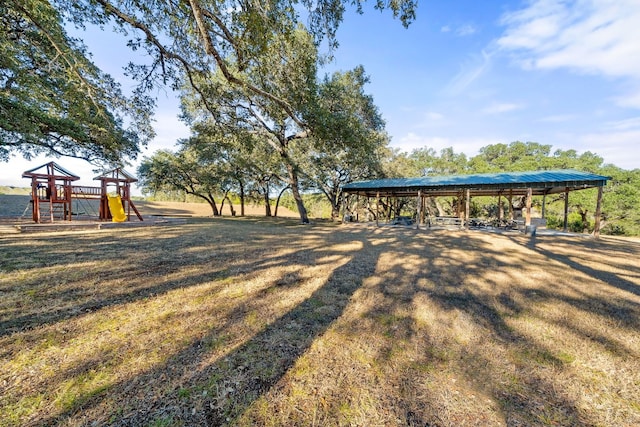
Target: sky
465 74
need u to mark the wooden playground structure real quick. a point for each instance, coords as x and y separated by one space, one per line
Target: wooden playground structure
52 194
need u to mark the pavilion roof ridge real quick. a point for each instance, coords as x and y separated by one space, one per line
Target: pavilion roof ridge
545 181
492 177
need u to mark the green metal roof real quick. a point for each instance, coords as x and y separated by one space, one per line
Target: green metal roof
541 182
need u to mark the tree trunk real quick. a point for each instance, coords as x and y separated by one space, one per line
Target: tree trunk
209 198
241 198
585 220
231 209
295 190
335 204
267 203
214 208
278 199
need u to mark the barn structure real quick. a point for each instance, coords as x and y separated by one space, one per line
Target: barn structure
508 184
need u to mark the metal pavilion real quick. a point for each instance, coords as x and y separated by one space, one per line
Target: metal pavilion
508 184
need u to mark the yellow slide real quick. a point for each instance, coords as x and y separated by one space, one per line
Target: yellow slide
116 209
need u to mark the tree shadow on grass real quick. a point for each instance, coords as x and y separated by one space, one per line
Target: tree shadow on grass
231 383
607 277
199 386
518 385
135 268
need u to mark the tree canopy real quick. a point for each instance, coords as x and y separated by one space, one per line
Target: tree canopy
188 40
53 99
621 203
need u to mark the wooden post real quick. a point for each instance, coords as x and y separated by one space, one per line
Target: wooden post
511 217
544 206
566 209
419 213
36 201
596 227
500 210
527 220
366 218
465 221
377 207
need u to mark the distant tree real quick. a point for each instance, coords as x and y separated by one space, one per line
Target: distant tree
54 100
183 171
513 157
347 139
448 162
399 164
288 70
621 204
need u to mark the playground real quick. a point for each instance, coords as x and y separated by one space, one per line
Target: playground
54 197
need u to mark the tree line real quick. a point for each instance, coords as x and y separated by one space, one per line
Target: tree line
620 210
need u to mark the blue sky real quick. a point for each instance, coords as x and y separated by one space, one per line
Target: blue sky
467 74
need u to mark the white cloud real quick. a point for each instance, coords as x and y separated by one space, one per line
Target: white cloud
614 147
632 123
432 116
461 31
559 118
499 108
630 99
465 30
469 72
468 146
589 36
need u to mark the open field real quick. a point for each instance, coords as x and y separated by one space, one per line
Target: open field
12 205
248 321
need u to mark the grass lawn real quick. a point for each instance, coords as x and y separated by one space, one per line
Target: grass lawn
268 322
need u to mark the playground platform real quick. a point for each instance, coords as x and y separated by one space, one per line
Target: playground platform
14 226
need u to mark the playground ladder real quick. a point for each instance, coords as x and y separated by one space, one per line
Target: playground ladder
50 211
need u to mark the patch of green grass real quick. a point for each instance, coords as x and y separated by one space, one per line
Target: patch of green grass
565 357
184 393
165 421
75 392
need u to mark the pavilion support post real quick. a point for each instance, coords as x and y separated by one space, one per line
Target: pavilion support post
388 209
527 219
544 206
511 214
377 208
369 209
467 202
566 209
357 203
419 213
500 210
596 227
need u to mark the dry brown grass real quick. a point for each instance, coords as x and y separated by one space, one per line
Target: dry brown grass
14 206
256 322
